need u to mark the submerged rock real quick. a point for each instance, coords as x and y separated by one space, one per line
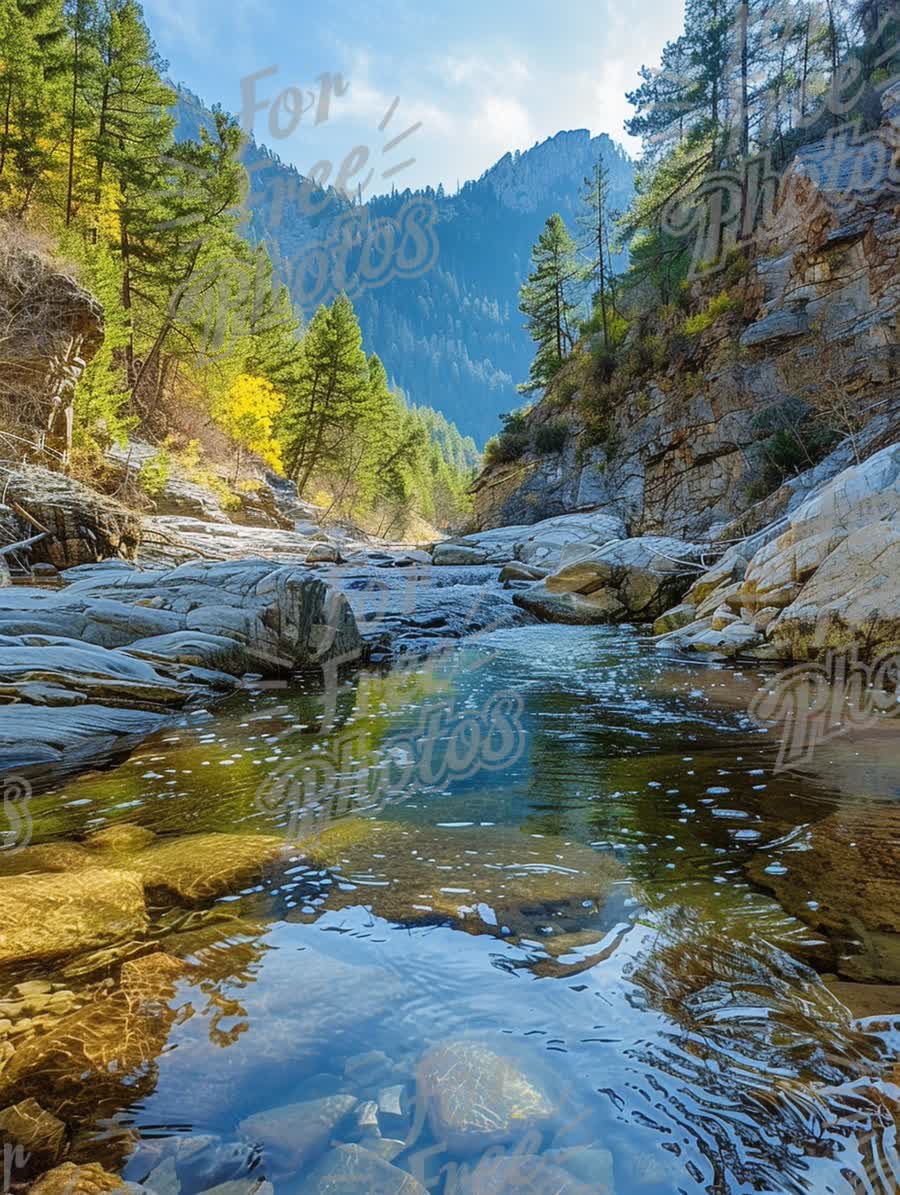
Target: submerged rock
200 867
476 1098
40 1135
44 917
241 1186
120 839
591 1164
353 1170
88 1178
292 1135
535 1174
100 1057
495 880
842 877
197 1162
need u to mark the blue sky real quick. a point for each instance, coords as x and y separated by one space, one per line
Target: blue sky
478 77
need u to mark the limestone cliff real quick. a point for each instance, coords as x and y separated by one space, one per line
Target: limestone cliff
679 440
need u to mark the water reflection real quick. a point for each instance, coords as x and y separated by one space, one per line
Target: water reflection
599 914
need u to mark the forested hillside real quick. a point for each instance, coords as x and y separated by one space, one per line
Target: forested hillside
454 337
201 349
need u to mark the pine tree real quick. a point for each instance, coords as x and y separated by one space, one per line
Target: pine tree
547 299
82 70
330 397
594 220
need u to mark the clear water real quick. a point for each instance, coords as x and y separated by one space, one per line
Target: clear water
580 905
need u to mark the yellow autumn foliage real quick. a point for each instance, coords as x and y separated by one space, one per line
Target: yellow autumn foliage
247 413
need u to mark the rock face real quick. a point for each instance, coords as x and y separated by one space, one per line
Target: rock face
826 578
51 330
476 1098
85 526
627 580
687 429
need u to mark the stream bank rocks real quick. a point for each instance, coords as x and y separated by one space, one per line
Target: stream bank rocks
159 641
85 526
824 578
541 545
625 580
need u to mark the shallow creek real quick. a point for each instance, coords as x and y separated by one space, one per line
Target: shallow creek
555 846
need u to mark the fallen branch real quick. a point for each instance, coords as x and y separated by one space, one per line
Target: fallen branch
23 543
23 514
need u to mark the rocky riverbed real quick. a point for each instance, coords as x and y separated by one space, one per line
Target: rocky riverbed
116 648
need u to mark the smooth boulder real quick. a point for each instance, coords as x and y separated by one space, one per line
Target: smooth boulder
625 580
43 917
476 1098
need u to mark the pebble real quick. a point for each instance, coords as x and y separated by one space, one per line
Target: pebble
392 1100
367 1116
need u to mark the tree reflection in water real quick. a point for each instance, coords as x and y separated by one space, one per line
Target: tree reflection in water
766 1071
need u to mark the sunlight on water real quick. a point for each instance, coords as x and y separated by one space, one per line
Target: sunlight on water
511 919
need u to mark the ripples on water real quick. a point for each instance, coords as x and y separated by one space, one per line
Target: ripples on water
588 910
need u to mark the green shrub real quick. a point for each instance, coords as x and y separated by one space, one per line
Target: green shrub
154 473
737 266
506 448
512 443
718 305
551 437
797 440
564 391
